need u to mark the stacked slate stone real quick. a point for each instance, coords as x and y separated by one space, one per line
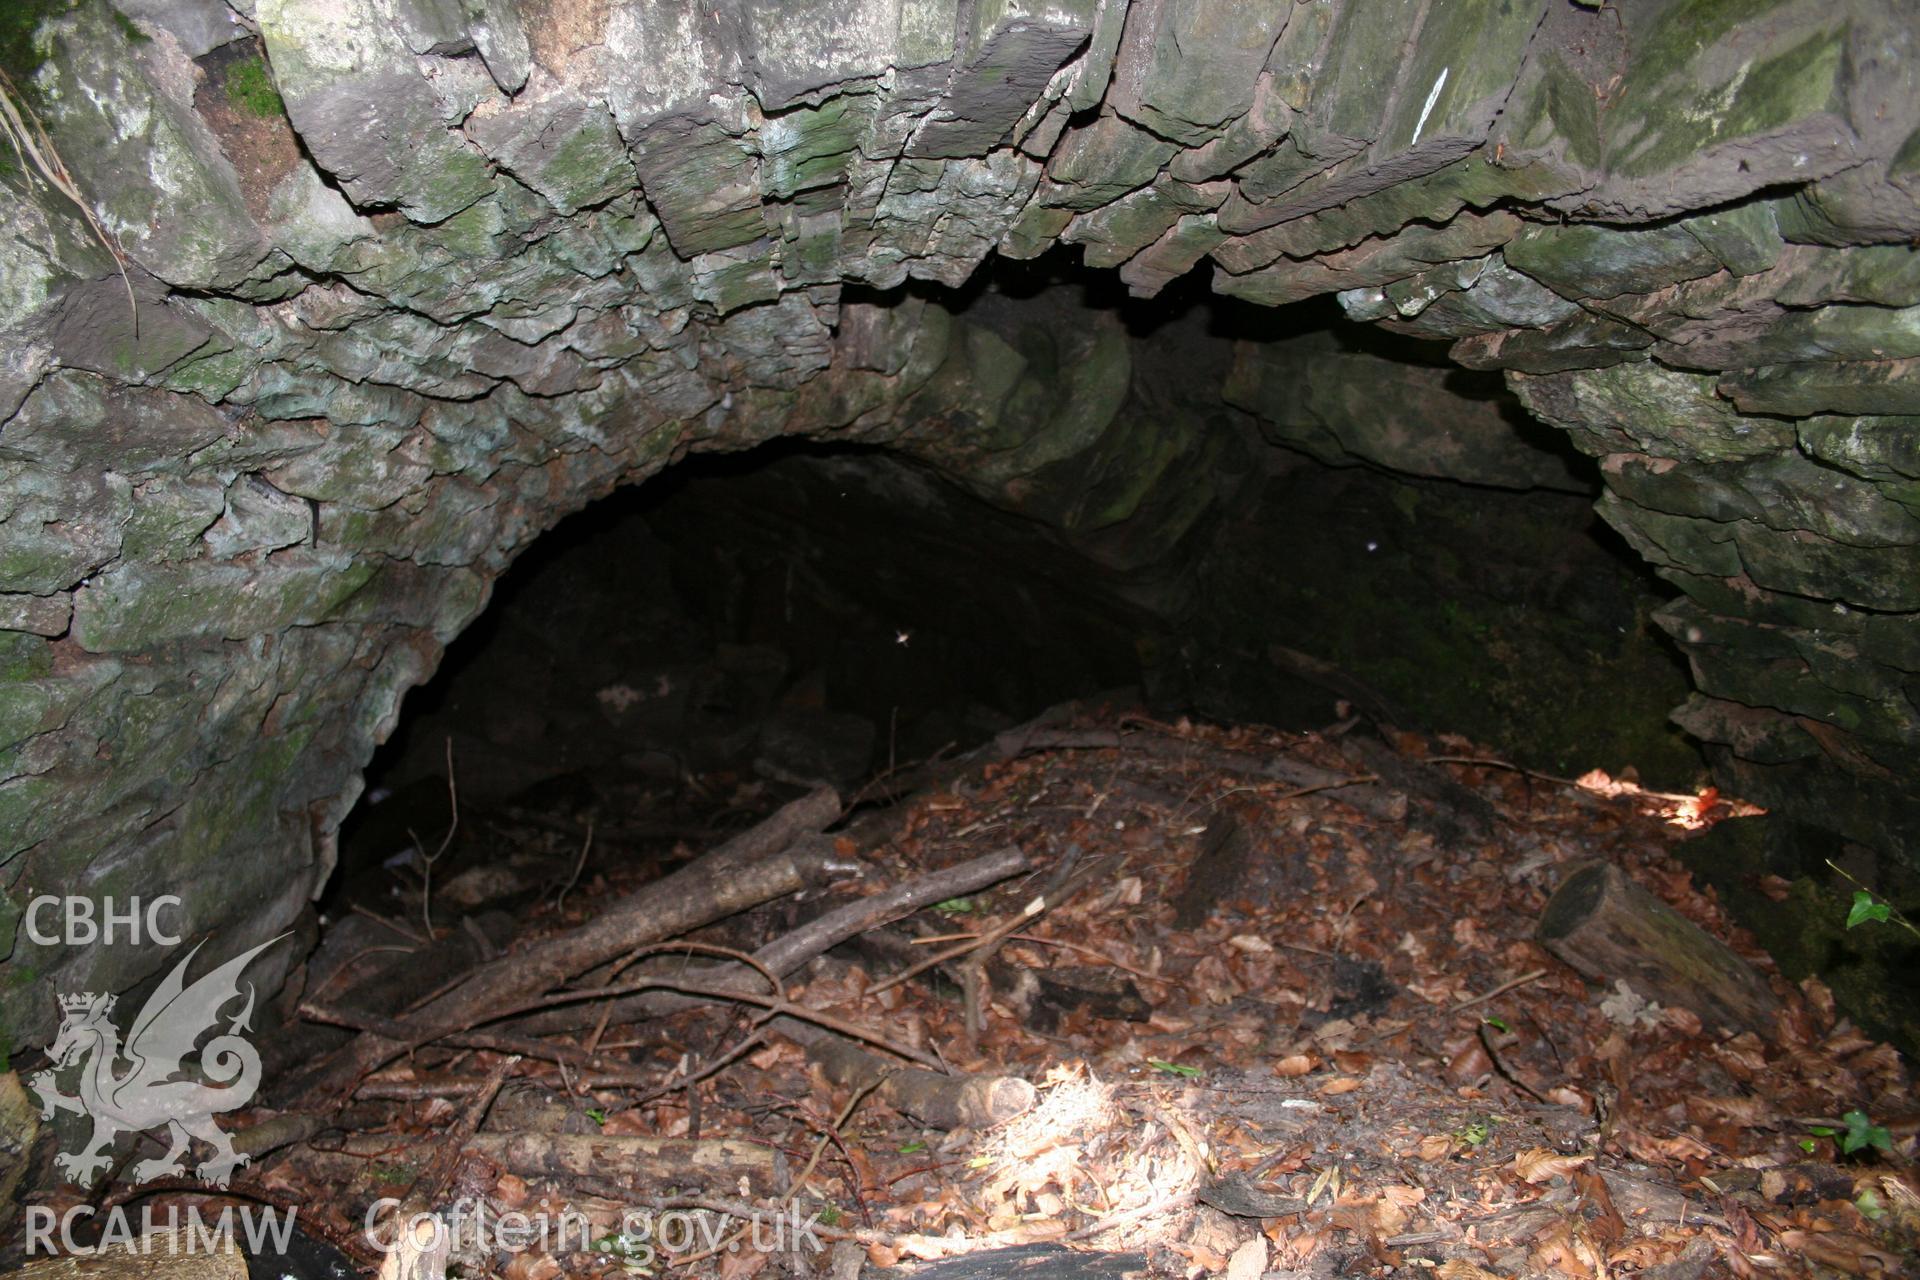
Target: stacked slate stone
478 263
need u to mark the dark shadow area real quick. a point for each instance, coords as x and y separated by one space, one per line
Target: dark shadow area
689 652
742 627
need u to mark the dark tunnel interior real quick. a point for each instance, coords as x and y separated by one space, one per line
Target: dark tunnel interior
748 624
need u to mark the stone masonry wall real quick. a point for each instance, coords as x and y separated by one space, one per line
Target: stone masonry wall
412 279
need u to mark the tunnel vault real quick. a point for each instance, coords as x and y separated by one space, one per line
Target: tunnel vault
371 292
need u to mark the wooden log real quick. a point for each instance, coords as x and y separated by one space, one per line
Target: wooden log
755 866
937 1101
1365 794
164 1255
787 953
1610 928
649 1163
644 1163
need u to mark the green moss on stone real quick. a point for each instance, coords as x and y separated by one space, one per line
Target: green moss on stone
212 377
1868 968
129 28
20 55
250 89
24 656
1683 31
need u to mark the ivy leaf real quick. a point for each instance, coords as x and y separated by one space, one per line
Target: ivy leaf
1865 909
1863 1132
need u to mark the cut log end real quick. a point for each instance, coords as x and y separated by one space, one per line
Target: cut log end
1610 928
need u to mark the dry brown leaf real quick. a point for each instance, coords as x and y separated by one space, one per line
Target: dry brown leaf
1210 1260
1849 1253
1437 1146
1744 1056
1404 1195
1748 1111
1389 1216
1338 1085
1648 1251
743 1263
1469 1064
424 1243
1295 1064
1678 1148
1557 1249
1537 1164
532 1266
1249 1261
1334 1031
1355 1215
1461 1269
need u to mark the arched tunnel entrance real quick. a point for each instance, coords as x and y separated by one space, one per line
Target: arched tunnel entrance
1135 637
747 625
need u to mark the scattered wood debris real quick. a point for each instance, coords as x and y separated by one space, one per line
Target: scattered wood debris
1115 997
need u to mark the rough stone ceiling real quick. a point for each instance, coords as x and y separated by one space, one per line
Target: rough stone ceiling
415 279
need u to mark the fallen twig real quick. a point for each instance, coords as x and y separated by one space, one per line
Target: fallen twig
787 953
427 860
1038 906
753 867
1502 989
405 1037
30 142
579 864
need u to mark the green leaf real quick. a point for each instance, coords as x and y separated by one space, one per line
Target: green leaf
1865 909
913 1148
1172 1068
597 1115
1863 1132
1869 1206
1495 1023
955 906
1807 1145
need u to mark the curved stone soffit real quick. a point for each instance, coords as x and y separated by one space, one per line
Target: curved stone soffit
527 250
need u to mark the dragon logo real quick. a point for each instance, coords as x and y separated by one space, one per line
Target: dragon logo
153 1089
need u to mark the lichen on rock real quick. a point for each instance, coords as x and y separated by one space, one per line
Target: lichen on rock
532 251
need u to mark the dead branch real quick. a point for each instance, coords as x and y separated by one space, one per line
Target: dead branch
1610 928
407 1036
938 1101
1036 907
644 1161
754 867
427 1188
787 953
1373 800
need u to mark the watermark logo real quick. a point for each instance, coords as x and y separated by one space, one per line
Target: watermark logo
131 1087
641 1238
81 924
260 1232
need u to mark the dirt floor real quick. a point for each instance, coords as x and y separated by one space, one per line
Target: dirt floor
1251 1003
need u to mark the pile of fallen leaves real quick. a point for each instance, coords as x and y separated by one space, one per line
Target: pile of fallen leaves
1334 1049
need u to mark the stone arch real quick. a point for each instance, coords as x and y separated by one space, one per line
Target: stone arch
409 282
